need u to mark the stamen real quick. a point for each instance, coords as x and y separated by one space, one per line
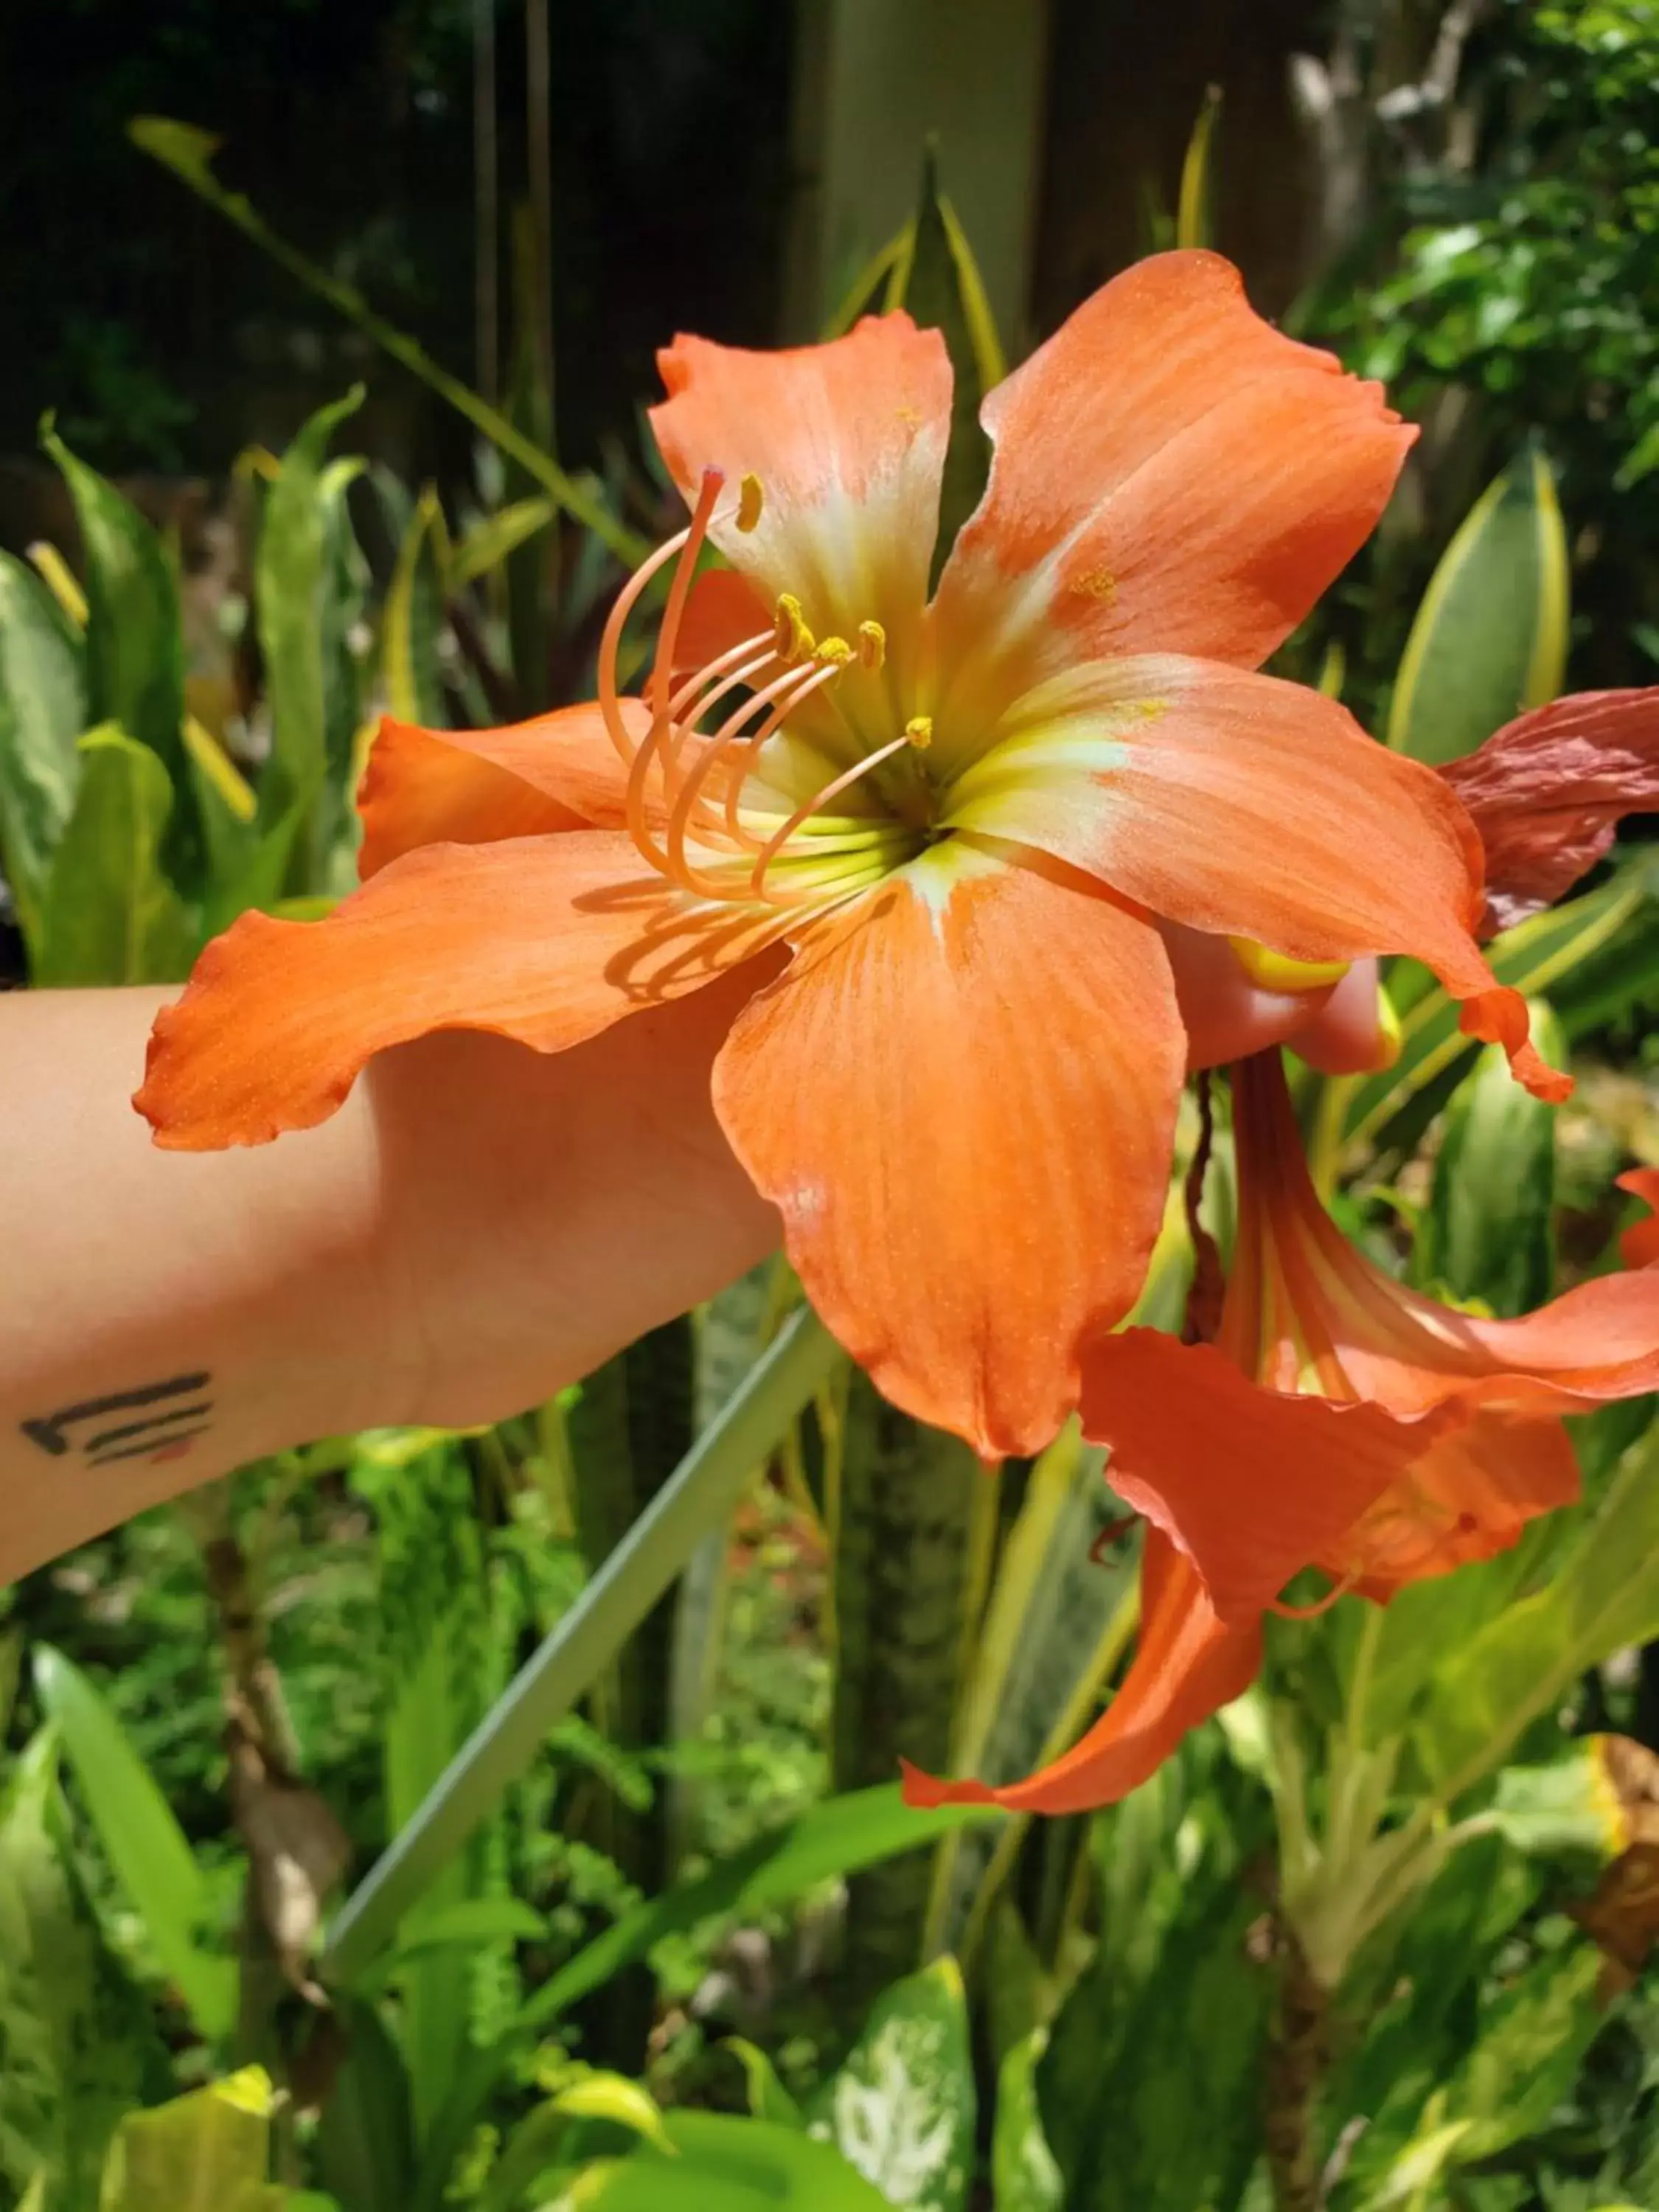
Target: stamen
752 498
836 649
627 599
662 667
872 644
781 695
780 838
1321 1605
918 730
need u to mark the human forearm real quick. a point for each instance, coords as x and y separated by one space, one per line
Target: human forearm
164 1317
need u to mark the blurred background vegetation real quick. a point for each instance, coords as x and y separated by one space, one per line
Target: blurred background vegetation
690 1952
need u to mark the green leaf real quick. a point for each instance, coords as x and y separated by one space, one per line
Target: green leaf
412 622
831 1841
43 709
134 646
1605 1596
78 2048
717 2163
366 2131
189 154
936 280
901 2109
142 1840
1569 1808
1025 2176
1488 1232
703 1490
767 2098
204 2153
308 594
109 914
1491 635
1539 956
487 544
1195 210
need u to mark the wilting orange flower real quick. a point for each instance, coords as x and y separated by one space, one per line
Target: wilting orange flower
1340 1419
938 836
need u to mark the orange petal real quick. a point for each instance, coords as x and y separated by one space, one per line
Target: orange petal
1252 1485
1245 806
848 440
1187 1665
721 612
1549 790
1640 1245
1596 1342
560 771
962 1097
1469 1497
545 939
1171 474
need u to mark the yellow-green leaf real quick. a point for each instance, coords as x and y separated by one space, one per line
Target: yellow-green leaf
1195 210
207 2152
1491 636
412 622
108 913
42 711
487 544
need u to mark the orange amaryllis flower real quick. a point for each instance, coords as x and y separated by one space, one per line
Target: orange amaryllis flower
1640 1245
1341 1420
937 835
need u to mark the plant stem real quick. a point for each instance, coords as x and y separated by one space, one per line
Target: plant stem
1298 2054
702 1491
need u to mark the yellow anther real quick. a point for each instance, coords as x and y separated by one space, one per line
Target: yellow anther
834 652
1276 971
751 499
792 640
872 644
920 732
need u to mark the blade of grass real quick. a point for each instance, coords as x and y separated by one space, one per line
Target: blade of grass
702 1491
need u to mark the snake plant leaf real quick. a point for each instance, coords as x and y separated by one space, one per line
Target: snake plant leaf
146 1848
109 914
767 2098
43 710
913 1521
134 653
1491 636
901 2109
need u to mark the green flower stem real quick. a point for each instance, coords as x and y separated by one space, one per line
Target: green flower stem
701 1494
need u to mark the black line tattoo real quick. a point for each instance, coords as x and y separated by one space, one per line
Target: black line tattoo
157 1447
162 1435
129 1429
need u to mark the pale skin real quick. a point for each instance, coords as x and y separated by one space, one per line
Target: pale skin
477 1226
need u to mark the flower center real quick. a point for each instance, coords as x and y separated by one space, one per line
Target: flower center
713 805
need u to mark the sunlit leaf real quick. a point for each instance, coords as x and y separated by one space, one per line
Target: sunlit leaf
1025 2176
207 2152
108 912
43 709
144 1844
1491 636
135 655
902 2108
